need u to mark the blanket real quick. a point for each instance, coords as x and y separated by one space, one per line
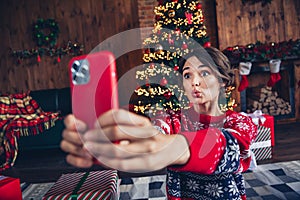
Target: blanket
20 115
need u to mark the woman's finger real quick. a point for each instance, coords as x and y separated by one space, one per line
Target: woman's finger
121 117
72 123
120 132
135 164
72 137
142 155
128 149
121 150
74 149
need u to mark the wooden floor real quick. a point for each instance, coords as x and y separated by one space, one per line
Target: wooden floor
287 143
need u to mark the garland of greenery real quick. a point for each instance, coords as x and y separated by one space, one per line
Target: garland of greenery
73 49
263 51
45 32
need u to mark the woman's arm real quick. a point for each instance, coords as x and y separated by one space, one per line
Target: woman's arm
128 142
216 150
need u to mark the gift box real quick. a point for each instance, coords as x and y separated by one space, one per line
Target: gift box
10 188
85 185
265 140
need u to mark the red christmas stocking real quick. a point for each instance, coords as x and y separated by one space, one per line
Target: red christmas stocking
274 69
244 70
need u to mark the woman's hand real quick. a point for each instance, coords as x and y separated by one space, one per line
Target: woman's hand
72 143
128 142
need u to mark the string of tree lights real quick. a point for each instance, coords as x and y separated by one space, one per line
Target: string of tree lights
179 27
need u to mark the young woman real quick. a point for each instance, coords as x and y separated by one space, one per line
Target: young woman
204 149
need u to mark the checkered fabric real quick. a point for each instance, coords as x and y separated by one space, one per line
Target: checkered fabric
142 188
274 181
20 115
269 181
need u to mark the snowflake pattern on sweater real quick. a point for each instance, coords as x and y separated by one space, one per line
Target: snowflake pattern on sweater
214 169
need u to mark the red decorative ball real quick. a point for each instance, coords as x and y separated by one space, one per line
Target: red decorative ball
175 1
176 68
177 31
207 44
152 65
199 6
167 95
163 82
171 41
184 46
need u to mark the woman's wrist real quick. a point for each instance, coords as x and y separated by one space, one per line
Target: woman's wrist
185 153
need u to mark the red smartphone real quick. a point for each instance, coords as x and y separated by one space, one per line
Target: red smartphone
94 88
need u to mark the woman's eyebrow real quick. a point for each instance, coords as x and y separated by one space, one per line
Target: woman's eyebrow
186 68
203 65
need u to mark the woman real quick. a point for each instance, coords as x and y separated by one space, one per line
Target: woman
204 149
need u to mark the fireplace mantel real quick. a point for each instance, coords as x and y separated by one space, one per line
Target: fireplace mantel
290 88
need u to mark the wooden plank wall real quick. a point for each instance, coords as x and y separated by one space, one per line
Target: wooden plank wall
86 22
240 24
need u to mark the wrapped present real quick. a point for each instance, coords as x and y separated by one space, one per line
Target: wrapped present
265 140
10 188
85 185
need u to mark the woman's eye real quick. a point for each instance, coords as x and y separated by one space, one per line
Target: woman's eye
205 73
186 75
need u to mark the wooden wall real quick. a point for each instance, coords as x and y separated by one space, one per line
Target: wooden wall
240 24
86 22
90 22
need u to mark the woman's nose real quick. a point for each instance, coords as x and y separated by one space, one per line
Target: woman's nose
196 81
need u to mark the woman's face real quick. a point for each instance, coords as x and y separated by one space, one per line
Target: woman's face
200 83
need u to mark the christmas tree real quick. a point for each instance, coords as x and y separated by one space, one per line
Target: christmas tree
178 28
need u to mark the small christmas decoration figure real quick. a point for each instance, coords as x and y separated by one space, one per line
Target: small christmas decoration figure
244 70
274 69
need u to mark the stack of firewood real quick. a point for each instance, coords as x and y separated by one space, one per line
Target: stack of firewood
267 100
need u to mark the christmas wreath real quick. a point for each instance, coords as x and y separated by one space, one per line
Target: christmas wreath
45 32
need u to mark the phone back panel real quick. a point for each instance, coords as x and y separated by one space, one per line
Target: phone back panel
93 81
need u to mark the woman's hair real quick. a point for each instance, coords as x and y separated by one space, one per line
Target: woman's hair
214 59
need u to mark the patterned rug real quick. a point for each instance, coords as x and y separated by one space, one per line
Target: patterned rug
268 181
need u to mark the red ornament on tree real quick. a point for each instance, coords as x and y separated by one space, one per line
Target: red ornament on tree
176 68
167 95
207 44
163 81
189 17
147 51
199 6
184 46
175 1
58 59
152 65
38 58
177 31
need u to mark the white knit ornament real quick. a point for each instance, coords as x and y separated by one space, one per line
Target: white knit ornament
245 68
275 65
